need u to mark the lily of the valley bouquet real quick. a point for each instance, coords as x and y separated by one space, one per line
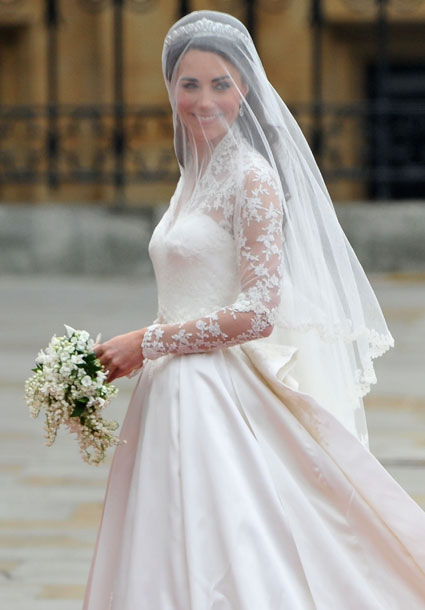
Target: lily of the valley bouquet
69 383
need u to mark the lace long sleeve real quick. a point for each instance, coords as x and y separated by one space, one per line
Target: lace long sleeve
258 237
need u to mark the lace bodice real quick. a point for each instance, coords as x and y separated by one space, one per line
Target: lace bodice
217 257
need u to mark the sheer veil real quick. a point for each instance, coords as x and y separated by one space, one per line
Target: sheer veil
328 309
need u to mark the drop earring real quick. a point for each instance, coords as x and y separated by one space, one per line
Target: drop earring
241 112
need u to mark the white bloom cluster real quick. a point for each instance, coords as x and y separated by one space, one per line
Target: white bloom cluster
69 384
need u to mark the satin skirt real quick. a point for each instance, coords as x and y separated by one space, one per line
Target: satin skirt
233 491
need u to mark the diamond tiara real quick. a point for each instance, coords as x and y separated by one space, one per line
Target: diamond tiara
205 26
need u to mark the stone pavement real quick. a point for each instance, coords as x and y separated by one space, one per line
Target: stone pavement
50 502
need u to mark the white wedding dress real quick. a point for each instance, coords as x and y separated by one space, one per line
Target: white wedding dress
236 490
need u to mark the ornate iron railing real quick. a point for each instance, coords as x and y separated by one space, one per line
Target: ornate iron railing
66 144
350 143
86 144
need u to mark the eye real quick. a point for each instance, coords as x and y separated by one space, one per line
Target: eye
189 85
223 85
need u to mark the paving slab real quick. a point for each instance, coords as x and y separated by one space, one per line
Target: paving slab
50 502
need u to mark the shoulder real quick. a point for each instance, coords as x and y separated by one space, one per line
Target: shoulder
259 199
257 173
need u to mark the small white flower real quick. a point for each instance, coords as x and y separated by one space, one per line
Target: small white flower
69 330
86 381
41 358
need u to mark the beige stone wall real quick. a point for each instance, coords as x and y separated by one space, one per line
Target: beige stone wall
85 54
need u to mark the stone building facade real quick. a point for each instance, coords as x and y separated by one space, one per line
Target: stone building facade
74 67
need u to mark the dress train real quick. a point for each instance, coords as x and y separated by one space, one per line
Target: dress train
234 491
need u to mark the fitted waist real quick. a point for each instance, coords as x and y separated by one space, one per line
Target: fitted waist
171 316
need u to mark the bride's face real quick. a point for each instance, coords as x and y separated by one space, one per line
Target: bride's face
209 91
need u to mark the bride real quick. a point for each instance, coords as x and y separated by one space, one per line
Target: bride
245 481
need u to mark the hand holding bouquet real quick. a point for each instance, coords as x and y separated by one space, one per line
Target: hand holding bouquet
69 384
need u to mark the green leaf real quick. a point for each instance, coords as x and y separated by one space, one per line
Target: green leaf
80 407
91 364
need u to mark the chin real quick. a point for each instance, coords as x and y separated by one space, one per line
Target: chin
209 132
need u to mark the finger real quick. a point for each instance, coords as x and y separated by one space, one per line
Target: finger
104 361
98 349
118 372
112 374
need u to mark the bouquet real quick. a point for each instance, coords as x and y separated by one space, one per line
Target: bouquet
69 384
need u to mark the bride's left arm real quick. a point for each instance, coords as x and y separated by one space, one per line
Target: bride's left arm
258 236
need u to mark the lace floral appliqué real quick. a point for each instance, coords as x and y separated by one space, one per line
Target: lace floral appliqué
252 213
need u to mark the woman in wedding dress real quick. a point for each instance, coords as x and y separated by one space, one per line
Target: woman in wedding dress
245 481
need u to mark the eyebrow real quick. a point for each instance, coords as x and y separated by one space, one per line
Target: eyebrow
214 80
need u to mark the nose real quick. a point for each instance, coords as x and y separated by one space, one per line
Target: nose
205 99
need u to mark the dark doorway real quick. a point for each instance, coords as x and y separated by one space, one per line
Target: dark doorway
403 121
13 65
